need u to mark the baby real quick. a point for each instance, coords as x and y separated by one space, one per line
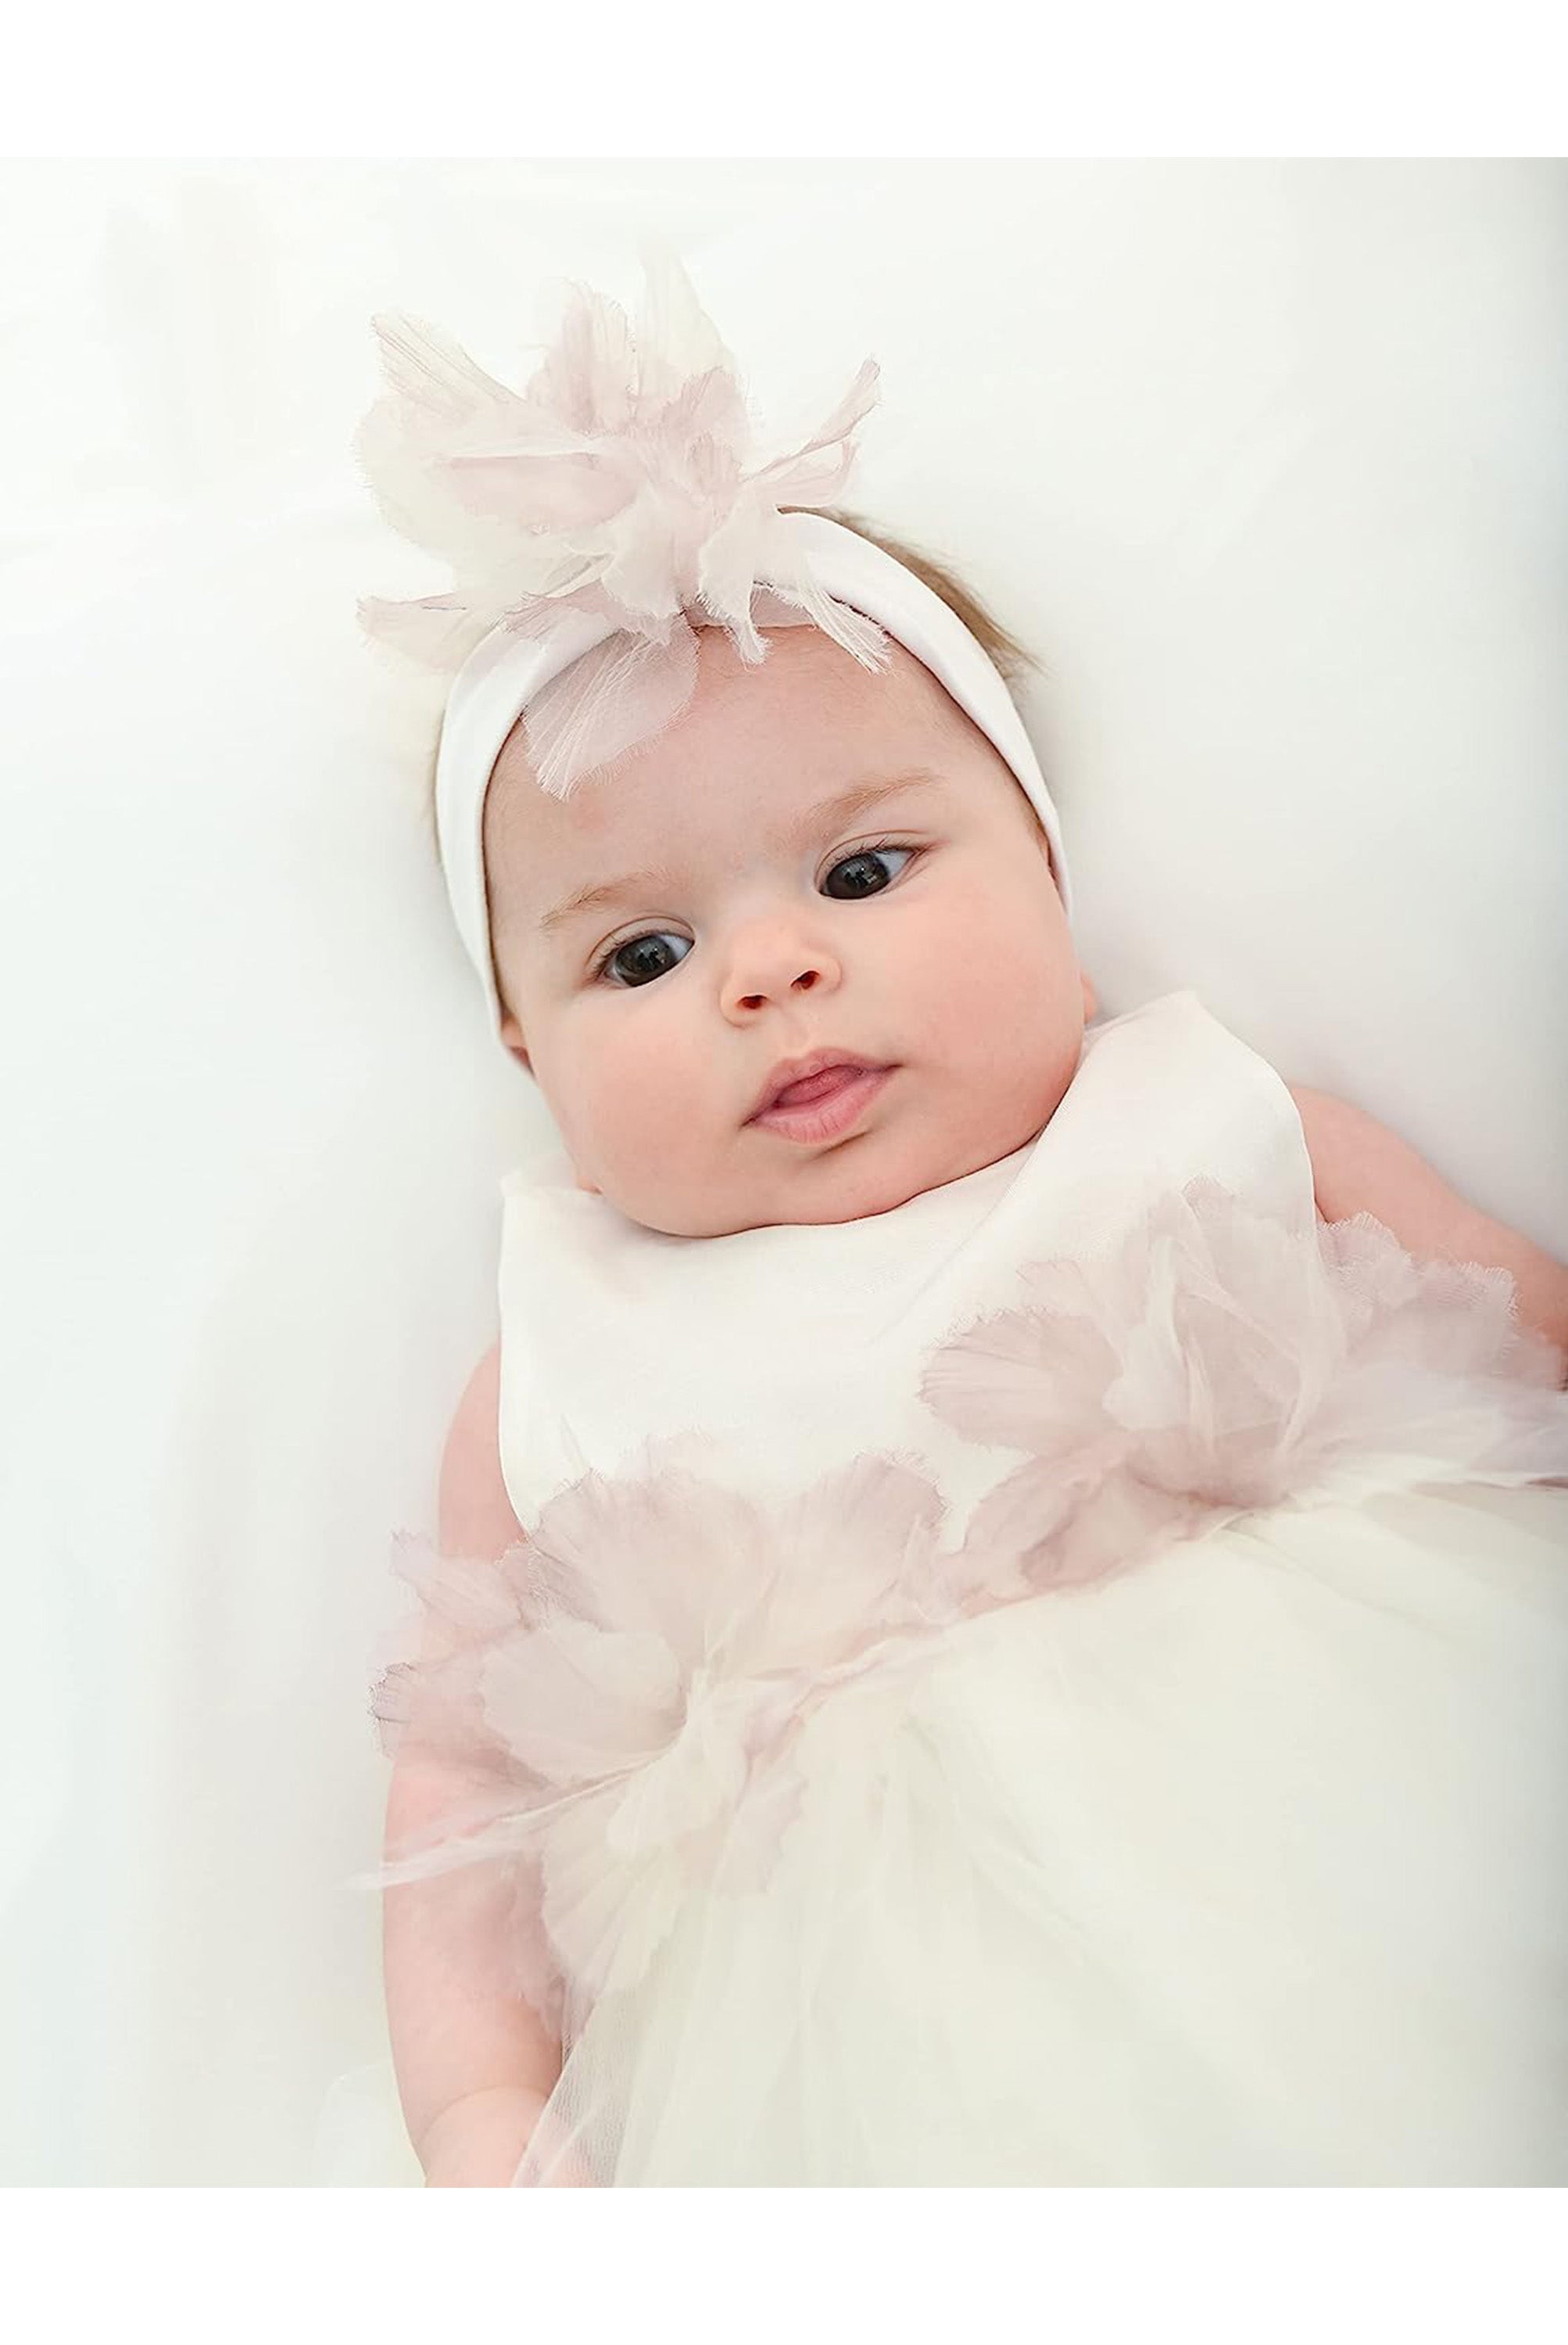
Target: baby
745 1824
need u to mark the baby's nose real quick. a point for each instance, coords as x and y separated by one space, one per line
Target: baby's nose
803 983
776 961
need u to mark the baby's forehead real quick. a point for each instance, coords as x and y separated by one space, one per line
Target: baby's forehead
805 671
805 717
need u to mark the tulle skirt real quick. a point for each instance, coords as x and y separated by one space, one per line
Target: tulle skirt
1246 1868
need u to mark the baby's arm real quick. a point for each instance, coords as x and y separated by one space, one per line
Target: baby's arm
473 2068
1361 1167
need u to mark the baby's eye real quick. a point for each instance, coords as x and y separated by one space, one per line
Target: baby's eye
641 955
868 858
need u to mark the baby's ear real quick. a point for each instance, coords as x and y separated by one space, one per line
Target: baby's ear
1043 843
512 1035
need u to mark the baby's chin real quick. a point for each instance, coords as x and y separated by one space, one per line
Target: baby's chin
853 1181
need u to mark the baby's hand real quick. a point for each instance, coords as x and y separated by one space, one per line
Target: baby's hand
479 2142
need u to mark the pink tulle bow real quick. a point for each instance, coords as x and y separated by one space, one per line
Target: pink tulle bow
623 482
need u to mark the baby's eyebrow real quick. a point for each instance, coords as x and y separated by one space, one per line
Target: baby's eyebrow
852 801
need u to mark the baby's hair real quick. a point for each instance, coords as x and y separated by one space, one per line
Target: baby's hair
1009 658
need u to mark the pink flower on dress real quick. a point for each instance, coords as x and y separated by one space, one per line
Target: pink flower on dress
666 1637
1219 1360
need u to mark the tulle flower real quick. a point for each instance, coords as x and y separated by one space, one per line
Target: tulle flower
623 482
622 1692
1220 1360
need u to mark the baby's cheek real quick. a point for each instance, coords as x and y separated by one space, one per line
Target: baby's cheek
655 1100
980 962
1011 1010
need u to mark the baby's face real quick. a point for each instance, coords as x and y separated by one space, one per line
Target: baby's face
652 1020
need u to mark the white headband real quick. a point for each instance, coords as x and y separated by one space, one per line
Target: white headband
614 503
501 677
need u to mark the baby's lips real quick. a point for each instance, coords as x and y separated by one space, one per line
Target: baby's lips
811 1087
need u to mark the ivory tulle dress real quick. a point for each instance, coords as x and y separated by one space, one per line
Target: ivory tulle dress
1065 1681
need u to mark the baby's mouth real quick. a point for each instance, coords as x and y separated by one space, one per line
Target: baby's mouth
824 1106
820 1085
820 1075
